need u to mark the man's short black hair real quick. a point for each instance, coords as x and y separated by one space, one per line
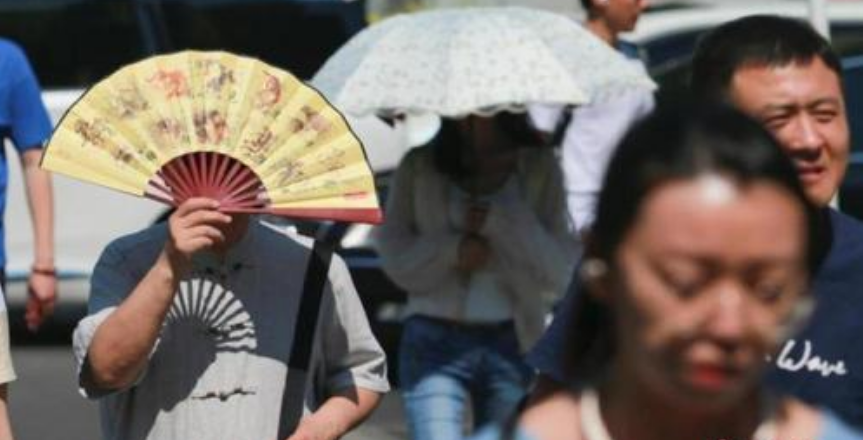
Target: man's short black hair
587 5
758 40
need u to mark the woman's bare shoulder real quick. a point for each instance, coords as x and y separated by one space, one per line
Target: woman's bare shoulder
555 417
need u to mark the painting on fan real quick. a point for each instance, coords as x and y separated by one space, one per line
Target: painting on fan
218 125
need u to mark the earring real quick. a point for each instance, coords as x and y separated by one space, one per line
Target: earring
592 268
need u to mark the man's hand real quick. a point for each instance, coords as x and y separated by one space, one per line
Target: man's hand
41 297
195 226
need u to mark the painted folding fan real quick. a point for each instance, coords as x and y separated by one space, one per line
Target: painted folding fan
214 124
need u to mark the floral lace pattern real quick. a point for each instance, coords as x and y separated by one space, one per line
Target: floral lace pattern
454 62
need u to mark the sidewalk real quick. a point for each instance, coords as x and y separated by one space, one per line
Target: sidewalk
386 423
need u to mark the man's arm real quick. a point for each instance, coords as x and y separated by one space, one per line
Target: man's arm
122 343
339 414
42 287
353 365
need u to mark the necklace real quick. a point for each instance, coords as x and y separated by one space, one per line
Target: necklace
593 428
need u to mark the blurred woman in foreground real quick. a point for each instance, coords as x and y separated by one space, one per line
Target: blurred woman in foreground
697 266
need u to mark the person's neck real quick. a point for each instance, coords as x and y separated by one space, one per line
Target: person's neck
631 410
601 29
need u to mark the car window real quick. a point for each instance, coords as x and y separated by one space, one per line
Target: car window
853 78
295 35
669 58
73 43
670 52
847 39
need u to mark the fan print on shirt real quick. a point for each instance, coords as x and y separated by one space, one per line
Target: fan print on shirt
206 320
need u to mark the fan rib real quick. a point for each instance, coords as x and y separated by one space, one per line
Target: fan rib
175 183
212 164
197 173
160 199
183 176
202 174
246 181
223 166
249 199
162 188
235 167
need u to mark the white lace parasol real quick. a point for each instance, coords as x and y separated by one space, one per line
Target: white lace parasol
379 9
454 62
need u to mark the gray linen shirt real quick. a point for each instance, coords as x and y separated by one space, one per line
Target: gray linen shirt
219 368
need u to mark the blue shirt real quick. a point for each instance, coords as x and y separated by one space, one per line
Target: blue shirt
822 365
23 117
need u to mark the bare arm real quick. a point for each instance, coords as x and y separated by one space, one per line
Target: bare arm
338 415
122 344
417 262
40 197
5 426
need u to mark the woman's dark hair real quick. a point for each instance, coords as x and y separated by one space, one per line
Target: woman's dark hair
452 157
678 142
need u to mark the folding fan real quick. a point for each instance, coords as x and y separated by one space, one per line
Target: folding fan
214 124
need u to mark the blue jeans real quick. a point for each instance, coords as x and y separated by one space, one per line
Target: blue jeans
442 366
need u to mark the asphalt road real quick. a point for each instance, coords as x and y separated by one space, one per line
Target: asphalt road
45 404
